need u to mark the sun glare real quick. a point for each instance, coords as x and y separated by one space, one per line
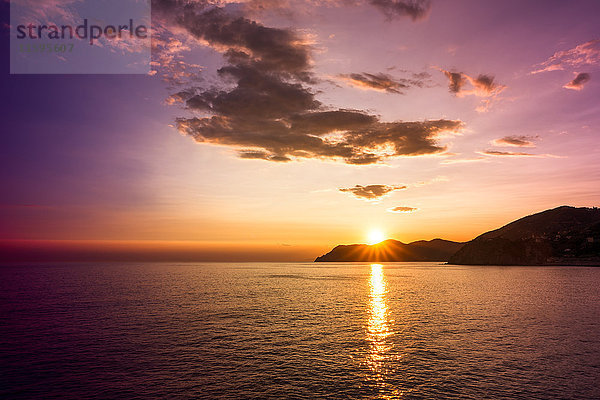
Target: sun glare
375 236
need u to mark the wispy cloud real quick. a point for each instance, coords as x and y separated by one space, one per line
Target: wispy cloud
496 153
383 82
585 54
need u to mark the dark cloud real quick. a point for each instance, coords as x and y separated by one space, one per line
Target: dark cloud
384 82
515 141
579 81
271 49
265 108
402 209
457 81
415 9
277 140
262 155
371 192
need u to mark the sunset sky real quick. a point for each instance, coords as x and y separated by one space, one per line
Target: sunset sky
274 129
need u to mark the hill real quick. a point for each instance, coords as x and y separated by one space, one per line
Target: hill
392 250
564 235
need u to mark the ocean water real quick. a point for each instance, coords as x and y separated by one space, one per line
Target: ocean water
299 331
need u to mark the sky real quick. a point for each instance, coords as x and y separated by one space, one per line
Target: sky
273 130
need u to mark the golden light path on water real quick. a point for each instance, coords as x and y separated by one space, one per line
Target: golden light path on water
378 326
381 356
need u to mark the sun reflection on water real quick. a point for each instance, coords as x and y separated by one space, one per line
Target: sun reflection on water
378 329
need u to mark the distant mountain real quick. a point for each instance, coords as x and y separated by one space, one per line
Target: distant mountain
393 250
564 235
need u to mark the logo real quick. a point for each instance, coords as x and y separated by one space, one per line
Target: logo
80 37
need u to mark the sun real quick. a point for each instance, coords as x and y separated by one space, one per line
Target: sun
375 236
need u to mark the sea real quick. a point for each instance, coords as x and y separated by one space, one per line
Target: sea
298 331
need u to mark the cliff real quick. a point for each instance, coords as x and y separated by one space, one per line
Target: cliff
393 250
564 235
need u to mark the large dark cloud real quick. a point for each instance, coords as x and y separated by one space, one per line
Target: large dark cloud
265 107
277 140
384 82
579 81
372 192
415 9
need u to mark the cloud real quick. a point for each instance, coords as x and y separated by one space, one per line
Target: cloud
415 9
383 82
262 155
281 139
482 86
167 59
402 209
372 192
585 54
265 107
515 141
496 153
578 82
457 81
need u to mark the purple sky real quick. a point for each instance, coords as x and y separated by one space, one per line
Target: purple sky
467 116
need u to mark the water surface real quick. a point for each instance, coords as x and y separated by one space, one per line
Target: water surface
398 330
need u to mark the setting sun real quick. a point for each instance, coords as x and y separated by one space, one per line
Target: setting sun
375 236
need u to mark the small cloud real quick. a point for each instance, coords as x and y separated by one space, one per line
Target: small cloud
402 209
579 81
372 192
415 9
514 141
482 86
457 81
